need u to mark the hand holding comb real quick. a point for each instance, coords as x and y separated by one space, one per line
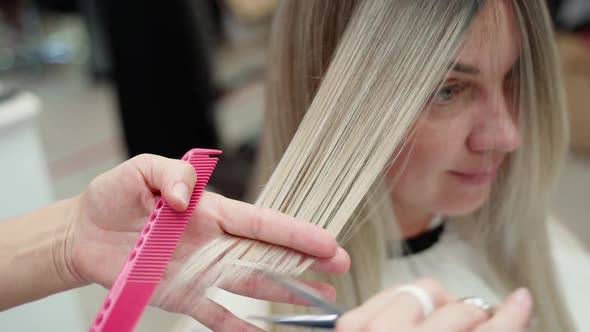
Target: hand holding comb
149 258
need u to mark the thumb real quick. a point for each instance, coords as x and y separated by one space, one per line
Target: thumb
174 179
513 315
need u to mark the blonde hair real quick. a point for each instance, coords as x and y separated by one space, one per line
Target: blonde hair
347 82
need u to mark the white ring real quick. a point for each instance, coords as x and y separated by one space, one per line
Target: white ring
421 295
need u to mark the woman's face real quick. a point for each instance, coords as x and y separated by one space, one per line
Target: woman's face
450 162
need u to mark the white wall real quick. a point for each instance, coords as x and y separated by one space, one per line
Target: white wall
25 185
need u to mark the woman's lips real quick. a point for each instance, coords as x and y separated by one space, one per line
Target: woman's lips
475 177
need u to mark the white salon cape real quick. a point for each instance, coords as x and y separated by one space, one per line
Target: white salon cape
453 262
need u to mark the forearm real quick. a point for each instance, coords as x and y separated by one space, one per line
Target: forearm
33 262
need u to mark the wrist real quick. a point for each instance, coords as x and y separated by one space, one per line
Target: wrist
62 252
36 251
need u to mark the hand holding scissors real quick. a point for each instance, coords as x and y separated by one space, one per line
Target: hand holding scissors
422 306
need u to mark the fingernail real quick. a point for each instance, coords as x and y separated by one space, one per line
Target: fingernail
521 298
180 191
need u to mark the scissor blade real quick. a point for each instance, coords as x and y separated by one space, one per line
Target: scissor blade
315 321
314 297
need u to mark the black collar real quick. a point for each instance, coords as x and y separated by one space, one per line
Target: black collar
422 241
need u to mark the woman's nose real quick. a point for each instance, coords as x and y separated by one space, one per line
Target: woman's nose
497 128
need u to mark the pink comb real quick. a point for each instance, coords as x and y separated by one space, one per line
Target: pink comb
138 279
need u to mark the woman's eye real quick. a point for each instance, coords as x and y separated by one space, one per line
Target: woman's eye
447 93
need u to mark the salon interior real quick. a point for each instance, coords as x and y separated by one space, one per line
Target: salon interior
87 84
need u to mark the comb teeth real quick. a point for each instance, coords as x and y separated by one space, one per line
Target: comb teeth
140 275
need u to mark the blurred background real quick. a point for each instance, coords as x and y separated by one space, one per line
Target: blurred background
87 84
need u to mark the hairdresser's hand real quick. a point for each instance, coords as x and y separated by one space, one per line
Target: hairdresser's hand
115 207
391 310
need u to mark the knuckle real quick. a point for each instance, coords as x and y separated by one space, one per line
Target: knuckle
292 297
344 323
250 285
430 284
215 210
94 184
370 327
291 240
211 211
143 157
217 320
436 290
216 200
257 221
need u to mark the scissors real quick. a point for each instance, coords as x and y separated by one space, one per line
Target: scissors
326 321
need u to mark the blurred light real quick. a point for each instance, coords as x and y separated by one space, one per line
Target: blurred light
6 59
56 51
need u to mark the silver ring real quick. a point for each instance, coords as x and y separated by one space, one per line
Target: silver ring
480 304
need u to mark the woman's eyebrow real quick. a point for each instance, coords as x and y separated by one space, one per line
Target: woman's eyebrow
465 69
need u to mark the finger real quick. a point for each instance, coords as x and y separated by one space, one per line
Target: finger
217 318
512 316
404 310
455 316
339 263
267 225
175 179
264 288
